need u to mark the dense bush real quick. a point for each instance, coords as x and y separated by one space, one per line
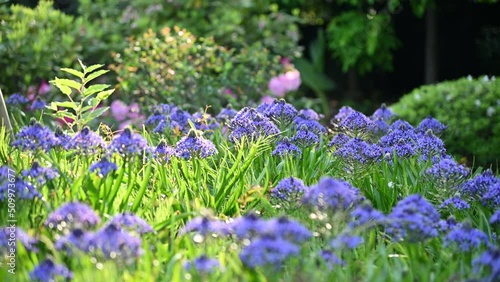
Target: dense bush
469 107
234 24
176 67
32 43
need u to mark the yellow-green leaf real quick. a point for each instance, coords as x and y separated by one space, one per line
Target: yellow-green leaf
74 72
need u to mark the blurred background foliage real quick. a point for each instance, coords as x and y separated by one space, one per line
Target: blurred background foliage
349 52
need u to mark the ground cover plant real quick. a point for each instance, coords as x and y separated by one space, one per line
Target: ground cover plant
264 193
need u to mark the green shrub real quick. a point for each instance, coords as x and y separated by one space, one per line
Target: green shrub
233 24
469 107
33 42
176 67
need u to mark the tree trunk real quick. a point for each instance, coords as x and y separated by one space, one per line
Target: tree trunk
431 64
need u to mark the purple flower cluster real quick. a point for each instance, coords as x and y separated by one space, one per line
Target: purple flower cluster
249 123
308 122
267 250
206 226
484 187
332 194
489 259
48 271
285 147
365 214
7 234
289 189
128 143
71 216
104 166
163 151
87 142
113 242
304 137
169 117
330 258
279 111
430 123
465 238
131 222
23 189
448 172
38 104
193 145
41 174
357 150
457 202
226 114
413 219
203 121
35 136
346 241
202 264
16 99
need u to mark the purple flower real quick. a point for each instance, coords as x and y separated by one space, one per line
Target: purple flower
364 214
194 146
286 147
72 215
344 112
401 139
495 218
204 121
132 222
346 241
305 137
35 136
287 229
179 118
339 140
41 174
331 193
360 151
311 125
77 238
490 259
163 151
457 202
356 122
48 271
87 141
202 264
429 145
485 187
249 123
248 226
63 139
288 189
155 119
310 114
226 114
430 123
16 99
23 189
38 104
383 113
267 250
447 171
281 111
330 258
465 237
204 226
114 242
9 235
448 224
104 166
129 143
412 219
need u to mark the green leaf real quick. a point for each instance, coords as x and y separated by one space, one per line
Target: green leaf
65 113
68 82
93 68
312 78
94 75
73 72
94 89
64 89
88 116
105 94
66 104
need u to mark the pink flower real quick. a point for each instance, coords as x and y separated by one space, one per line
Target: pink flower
119 110
291 80
267 99
44 88
134 110
277 87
